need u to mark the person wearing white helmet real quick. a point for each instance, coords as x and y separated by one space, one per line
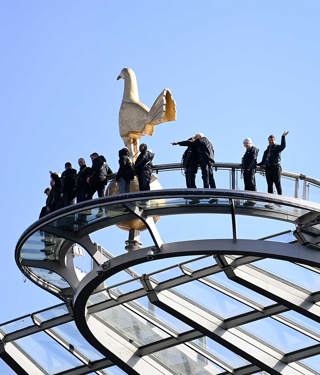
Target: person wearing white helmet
249 164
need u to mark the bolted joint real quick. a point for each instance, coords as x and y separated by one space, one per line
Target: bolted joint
104 267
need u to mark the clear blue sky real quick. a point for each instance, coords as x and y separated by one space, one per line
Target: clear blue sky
236 69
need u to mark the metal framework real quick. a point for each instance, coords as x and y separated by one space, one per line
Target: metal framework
228 308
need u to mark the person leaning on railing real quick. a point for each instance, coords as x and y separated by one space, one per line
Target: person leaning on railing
271 162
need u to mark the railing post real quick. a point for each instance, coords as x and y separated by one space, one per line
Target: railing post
233 179
305 194
296 188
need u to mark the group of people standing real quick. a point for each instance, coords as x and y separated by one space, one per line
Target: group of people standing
81 185
78 186
200 153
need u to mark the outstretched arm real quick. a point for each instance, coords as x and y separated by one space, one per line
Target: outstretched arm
283 141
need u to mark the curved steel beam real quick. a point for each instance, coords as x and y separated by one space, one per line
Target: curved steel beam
294 253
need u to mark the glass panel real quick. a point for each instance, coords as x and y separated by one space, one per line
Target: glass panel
200 263
48 314
114 371
223 353
126 287
302 320
69 333
131 325
41 246
5 369
167 274
221 278
16 325
51 356
50 277
298 275
77 221
213 300
279 335
284 237
175 325
184 360
313 362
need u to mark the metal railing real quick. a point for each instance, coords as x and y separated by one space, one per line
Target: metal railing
302 183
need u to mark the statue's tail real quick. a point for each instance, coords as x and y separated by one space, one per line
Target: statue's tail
162 110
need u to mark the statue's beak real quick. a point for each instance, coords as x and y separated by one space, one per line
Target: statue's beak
119 77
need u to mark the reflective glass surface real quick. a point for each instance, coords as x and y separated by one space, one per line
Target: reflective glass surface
279 335
5 369
224 354
161 316
50 276
51 313
41 246
313 362
16 325
47 353
213 300
132 325
298 275
70 334
222 279
184 360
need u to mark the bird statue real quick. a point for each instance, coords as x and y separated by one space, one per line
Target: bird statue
135 118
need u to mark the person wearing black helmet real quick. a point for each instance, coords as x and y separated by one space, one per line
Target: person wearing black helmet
189 161
271 162
143 167
125 171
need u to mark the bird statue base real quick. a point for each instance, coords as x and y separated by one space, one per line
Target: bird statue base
136 224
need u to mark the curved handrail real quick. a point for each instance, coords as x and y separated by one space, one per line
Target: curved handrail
288 209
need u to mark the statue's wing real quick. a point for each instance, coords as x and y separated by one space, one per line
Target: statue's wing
162 110
132 118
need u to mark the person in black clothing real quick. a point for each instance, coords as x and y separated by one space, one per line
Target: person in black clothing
68 184
54 201
189 161
143 167
205 158
82 187
98 178
249 164
45 209
271 162
125 172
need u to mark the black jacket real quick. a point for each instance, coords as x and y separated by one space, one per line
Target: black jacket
125 168
68 181
205 151
249 159
144 162
271 156
189 157
100 171
83 174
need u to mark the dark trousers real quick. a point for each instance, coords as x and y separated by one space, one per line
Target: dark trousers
124 185
99 187
190 174
249 178
82 195
144 178
207 176
273 176
68 198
